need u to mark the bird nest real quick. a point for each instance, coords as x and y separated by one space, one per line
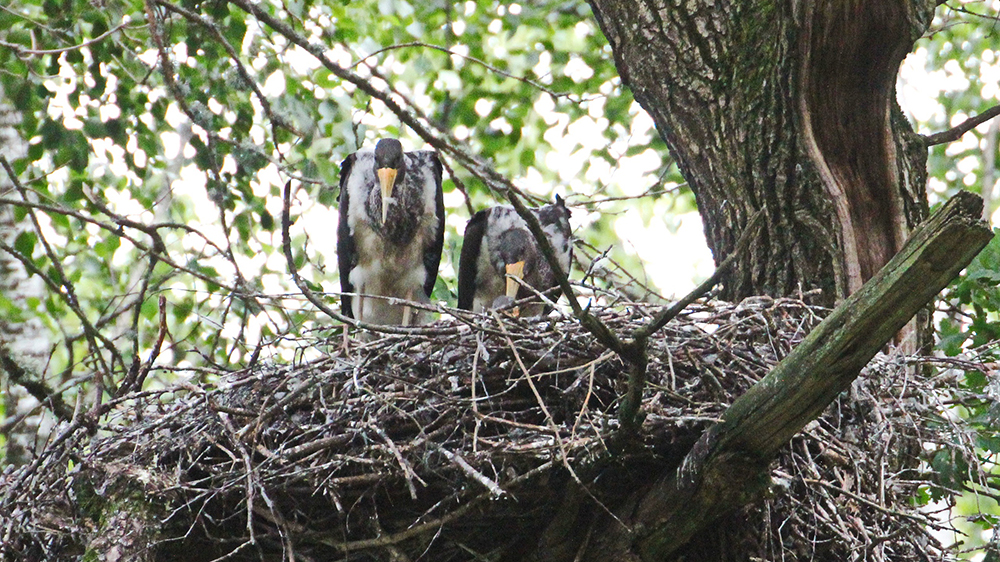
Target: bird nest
470 446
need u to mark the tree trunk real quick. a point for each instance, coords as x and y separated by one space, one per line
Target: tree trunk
787 106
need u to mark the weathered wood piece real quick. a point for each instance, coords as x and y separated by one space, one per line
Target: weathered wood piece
727 467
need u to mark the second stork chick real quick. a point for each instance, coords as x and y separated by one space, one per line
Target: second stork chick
499 250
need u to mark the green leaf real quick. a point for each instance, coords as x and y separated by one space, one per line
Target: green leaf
243 225
25 243
266 220
52 135
236 29
10 311
94 128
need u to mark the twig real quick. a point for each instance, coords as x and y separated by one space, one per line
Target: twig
870 503
459 185
480 62
69 296
117 231
407 469
538 397
275 119
586 399
956 132
35 386
473 378
266 415
669 314
635 349
490 485
434 525
600 331
251 484
134 381
20 50
317 445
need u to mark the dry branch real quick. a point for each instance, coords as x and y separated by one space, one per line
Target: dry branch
726 466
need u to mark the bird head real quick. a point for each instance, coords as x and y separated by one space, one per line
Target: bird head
554 220
390 168
555 215
517 254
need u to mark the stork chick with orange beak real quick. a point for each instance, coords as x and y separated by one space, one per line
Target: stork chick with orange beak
500 257
391 232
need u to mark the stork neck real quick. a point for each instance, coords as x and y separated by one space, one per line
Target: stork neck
402 216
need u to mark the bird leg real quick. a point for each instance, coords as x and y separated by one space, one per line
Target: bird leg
345 346
407 310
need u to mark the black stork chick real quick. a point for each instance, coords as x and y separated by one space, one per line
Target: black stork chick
390 233
499 250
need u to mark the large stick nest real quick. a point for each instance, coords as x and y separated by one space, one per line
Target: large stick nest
469 447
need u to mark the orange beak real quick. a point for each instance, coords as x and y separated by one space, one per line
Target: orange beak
515 272
386 181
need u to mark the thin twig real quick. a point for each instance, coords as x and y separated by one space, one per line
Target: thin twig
957 131
407 469
669 314
34 385
467 468
20 50
480 62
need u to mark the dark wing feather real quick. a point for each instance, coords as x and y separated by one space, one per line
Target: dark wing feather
346 256
557 215
432 253
472 244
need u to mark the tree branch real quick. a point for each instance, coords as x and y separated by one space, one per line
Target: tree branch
635 348
669 314
480 62
600 331
35 386
727 467
956 133
68 293
275 119
23 52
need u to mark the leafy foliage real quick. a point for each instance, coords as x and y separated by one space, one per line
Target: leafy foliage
961 55
974 301
160 135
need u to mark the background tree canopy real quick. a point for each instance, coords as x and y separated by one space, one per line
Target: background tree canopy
147 145
530 88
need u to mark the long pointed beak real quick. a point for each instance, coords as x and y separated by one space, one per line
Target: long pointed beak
515 271
386 180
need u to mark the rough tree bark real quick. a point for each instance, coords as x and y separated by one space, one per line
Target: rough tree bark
787 106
